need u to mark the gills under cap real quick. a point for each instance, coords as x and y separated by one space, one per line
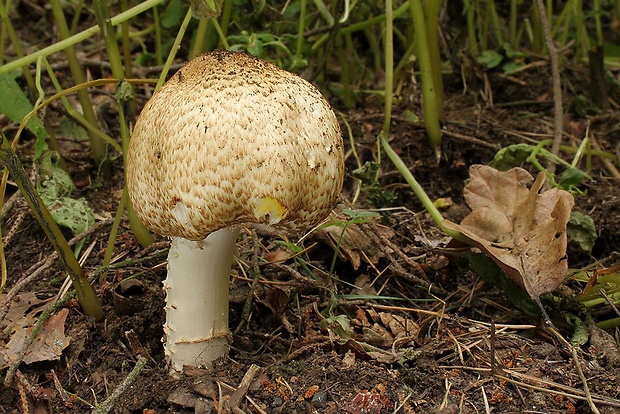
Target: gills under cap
233 140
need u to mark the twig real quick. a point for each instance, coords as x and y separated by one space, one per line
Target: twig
107 406
606 162
584 381
235 400
247 306
42 265
558 111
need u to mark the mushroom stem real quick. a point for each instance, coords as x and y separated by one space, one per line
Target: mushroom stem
197 293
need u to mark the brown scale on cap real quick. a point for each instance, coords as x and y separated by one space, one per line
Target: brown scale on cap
234 140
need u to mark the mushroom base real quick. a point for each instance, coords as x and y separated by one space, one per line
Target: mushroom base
197 294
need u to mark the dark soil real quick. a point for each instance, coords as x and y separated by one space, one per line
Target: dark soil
471 350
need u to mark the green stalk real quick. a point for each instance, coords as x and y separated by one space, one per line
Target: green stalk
175 48
85 293
126 42
77 38
159 56
220 32
345 78
123 98
225 16
324 12
429 94
7 26
109 250
298 61
374 49
76 16
432 29
512 25
361 25
70 109
199 38
494 21
389 71
470 16
384 136
97 145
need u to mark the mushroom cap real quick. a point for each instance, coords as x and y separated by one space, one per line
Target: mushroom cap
232 140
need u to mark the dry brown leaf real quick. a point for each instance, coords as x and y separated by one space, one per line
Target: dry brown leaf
47 346
352 244
522 229
399 326
21 305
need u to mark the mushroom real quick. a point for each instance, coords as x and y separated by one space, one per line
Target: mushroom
230 141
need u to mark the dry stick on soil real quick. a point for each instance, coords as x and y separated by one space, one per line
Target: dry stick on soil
49 309
558 111
107 406
247 306
42 265
606 162
235 399
564 390
583 378
389 249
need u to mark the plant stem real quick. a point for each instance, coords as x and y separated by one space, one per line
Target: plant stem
85 293
383 137
175 48
19 51
558 111
77 38
97 145
361 25
429 94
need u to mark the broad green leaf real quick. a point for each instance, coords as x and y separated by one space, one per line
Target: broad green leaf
55 190
581 230
511 156
15 104
490 59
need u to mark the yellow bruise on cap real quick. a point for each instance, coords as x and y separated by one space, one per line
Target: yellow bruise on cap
269 208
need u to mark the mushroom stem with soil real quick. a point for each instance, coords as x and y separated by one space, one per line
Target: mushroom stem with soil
196 290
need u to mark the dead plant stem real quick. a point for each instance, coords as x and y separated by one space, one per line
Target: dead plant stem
558 110
107 406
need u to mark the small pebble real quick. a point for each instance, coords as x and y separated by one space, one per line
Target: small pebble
319 399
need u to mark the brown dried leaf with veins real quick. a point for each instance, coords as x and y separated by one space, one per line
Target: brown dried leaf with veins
522 229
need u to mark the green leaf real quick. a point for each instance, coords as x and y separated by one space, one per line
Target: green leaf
571 178
490 58
511 156
15 105
338 324
206 9
580 330
173 15
55 190
581 230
